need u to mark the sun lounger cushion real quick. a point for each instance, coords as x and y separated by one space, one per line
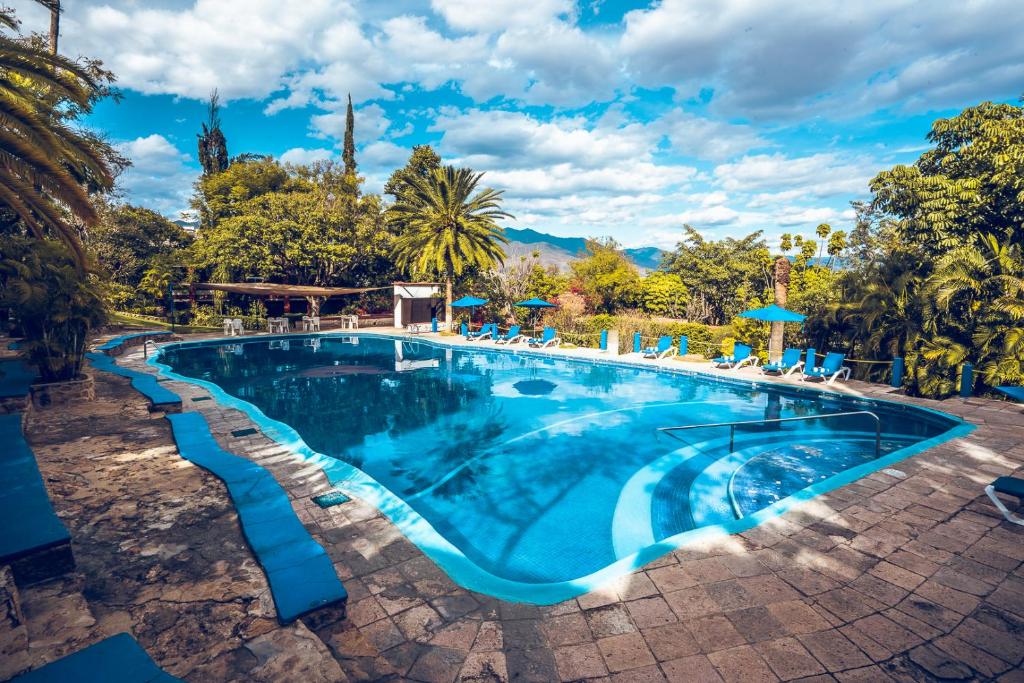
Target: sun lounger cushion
118 659
1011 486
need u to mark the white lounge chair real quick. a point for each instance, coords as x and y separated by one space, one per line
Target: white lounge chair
1010 486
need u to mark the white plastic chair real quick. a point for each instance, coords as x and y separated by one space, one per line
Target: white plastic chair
236 326
228 326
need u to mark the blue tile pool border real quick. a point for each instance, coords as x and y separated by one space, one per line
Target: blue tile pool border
464 571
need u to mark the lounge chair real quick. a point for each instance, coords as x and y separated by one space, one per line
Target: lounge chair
486 332
510 337
1010 486
547 339
741 355
830 369
664 349
787 365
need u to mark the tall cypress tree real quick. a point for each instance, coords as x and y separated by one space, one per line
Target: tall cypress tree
348 154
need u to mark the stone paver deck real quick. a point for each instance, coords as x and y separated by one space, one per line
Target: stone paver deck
905 576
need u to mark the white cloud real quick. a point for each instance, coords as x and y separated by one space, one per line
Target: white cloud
777 58
494 15
243 47
817 175
160 173
301 155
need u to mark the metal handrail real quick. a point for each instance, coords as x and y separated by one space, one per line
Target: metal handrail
732 425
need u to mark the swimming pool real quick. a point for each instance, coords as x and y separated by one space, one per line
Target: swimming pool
537 478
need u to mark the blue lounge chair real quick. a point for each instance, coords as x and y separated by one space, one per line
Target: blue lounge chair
664 349
547 339
510 337
1015 393
1010 486
830 369
788 364
741 355
486 332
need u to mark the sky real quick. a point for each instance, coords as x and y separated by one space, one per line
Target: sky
597 117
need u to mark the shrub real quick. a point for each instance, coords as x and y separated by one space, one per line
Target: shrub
56 304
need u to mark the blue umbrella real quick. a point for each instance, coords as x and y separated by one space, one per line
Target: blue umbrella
773 314
535 304
470 302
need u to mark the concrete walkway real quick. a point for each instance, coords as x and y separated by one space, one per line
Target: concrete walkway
910 575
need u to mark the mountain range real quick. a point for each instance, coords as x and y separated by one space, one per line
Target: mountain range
558 251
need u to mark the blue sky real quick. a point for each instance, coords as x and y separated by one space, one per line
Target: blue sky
597 118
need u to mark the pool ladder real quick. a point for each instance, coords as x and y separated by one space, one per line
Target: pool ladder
732 425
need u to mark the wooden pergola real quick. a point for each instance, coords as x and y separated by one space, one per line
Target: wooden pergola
315 295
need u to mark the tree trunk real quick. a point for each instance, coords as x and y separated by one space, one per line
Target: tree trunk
448 303
54 26
777 338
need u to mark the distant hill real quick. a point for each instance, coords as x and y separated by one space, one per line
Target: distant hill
558 251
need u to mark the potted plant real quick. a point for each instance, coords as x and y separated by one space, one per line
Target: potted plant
56 305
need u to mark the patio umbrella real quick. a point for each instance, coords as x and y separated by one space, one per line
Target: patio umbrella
773 314
470 302
535 304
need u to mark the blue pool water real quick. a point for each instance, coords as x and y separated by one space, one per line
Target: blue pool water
531 477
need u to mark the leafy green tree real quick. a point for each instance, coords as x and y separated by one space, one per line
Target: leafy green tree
970 183
446 227
607 279
348 153
664 294
127 239
222 195
49 166
722 276
422 163
213 146
56 304
786 243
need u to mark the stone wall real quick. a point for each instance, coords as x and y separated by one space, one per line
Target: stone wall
60 394
13 632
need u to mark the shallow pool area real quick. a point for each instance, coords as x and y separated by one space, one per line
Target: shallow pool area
535 477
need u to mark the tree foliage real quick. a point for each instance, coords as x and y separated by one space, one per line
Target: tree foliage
55 304
213 146
348 153
607 279
448 226
722 276
664 294
48 167
300 225
127 239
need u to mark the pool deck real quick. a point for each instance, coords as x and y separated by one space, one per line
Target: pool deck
908 575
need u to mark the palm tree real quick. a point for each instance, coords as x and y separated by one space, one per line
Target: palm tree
445 229
55 10
44 163
979 289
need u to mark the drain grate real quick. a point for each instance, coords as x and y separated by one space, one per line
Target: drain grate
243 432
200 398
335 497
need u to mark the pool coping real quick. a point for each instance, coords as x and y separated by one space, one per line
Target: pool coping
453 561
